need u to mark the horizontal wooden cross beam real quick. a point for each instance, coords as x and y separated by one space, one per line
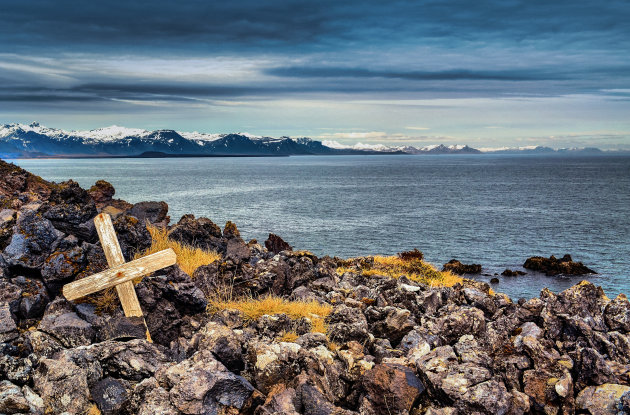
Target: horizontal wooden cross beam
117 275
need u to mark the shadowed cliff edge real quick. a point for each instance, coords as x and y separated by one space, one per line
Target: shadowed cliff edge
244 327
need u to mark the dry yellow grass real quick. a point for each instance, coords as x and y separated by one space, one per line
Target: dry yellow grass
414 269
255 308
289 337
188 257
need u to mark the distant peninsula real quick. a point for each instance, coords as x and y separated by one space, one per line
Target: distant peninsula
37 141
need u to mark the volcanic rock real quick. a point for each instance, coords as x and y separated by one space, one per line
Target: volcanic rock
12 400
390 346
553 266
200 233
153 212
102 193
456 267
276 244
389 388
510 273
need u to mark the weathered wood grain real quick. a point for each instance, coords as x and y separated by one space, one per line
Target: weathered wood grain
114 255
119 274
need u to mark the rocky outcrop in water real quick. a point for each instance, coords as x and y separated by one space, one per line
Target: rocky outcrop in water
392 346
553 266
512 273
456 267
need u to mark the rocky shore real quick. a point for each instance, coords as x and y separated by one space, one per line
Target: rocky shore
379 345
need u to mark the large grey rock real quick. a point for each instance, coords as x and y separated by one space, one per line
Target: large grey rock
68 328
458 321
202 385
63 386
617 314
34 238
224 344
61 267
151 398
8 329
602 400
153 212
12 400
346 323
273 363
134 360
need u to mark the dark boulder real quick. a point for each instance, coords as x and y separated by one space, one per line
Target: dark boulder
456 267
510 273
553 266
200 233
71 210
68 328
34 239
414 255
230 230
34 295
276 244
389 388
236 250
132 235
61 267
102 193
153 212
390 322
110 395
165 299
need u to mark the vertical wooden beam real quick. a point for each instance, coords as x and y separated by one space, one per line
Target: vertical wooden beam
113 253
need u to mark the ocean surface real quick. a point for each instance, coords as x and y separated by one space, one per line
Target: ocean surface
496 210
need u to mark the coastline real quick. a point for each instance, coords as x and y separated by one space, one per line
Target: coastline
418 342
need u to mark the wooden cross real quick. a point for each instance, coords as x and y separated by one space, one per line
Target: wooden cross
120 274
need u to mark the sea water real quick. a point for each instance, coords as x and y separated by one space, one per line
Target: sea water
496 210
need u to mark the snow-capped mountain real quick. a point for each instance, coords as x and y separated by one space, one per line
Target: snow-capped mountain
541 150
35 140
433 149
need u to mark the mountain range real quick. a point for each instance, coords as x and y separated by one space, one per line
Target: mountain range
34 140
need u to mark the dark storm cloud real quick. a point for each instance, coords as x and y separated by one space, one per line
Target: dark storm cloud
487 75
431 47
201 26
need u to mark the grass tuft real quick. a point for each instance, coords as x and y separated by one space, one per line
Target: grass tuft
410 266
271 305
188 257
289 337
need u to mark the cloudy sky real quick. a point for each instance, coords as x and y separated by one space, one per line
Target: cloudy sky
488 73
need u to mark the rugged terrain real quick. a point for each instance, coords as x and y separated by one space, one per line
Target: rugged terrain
268 330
